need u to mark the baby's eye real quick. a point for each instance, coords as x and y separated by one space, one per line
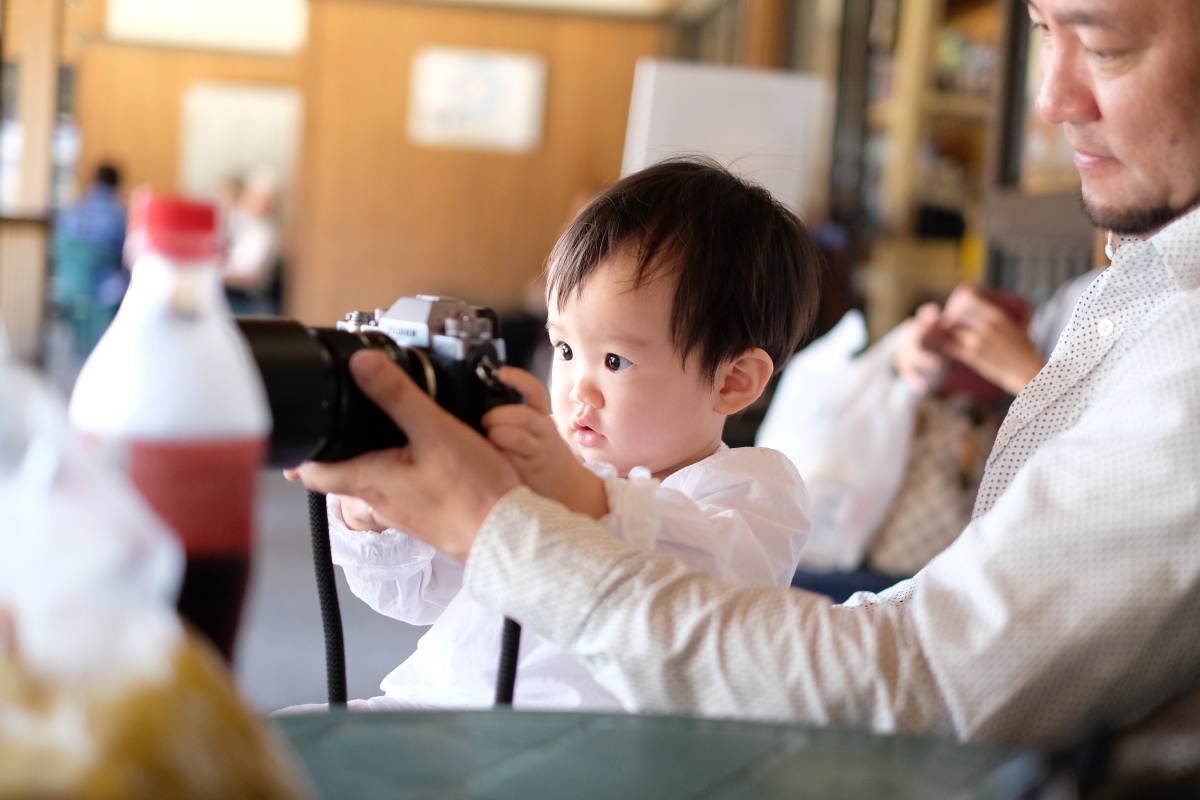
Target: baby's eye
616 363
563 350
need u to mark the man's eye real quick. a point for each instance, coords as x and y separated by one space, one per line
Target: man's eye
563 350
616 363
1039 36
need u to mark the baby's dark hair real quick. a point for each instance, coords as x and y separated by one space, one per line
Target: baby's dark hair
747 272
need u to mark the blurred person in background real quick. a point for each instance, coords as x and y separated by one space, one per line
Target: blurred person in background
89 280
253 277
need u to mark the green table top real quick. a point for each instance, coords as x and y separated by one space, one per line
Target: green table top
500 754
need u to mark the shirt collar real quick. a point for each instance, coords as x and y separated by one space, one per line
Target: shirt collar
1179 246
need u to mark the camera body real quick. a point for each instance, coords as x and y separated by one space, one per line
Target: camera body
449 347
449 330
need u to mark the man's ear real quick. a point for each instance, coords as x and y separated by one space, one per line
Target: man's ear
742 379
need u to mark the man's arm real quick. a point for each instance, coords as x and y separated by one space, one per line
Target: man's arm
1035 626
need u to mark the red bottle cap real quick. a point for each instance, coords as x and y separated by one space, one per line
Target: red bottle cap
172 226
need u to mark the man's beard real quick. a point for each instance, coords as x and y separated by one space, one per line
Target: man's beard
1132 221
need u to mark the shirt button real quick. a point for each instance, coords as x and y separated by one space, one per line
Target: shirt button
1105 327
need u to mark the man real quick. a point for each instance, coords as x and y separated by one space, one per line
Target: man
1071 603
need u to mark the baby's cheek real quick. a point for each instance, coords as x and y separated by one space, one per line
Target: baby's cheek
564 433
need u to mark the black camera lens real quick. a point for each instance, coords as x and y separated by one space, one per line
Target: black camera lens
319 412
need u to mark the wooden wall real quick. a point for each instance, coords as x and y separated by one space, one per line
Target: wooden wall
379 218
129 102
374 217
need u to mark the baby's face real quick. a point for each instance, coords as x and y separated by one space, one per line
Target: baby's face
619 391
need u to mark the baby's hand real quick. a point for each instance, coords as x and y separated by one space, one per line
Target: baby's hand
526 435
358 515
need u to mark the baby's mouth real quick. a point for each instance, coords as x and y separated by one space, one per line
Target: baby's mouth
586 436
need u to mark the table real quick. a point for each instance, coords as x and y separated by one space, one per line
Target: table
499 754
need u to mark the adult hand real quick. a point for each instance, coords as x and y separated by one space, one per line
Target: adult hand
527 436
439 487
917 357
983 336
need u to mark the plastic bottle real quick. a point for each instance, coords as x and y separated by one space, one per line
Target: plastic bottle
172 396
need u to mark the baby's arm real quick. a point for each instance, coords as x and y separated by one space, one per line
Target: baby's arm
740 515
392 572
527 436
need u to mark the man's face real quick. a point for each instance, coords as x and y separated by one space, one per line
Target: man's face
1123 79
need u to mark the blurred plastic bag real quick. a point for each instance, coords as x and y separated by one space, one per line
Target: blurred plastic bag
102 691
846 421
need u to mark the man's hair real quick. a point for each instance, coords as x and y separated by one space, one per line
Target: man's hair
108 175
747 273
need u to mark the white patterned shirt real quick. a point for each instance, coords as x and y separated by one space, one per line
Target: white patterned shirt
1069 605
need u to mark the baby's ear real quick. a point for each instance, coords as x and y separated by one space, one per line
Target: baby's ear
742 379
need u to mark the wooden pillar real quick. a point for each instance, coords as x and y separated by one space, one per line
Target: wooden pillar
34 37
911 73
764 33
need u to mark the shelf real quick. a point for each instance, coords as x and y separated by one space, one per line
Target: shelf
916 122
957 104
924 145
969 107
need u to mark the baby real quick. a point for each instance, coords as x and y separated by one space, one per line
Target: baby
673 297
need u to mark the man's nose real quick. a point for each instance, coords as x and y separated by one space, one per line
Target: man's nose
1065 95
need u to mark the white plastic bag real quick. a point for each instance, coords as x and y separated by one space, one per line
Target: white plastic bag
88 570
103 693
846 422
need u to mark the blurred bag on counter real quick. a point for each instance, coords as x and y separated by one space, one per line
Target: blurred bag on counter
103 692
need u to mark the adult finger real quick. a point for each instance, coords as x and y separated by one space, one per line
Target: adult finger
960 348
925 329
969 307
390 388
354 477
963 293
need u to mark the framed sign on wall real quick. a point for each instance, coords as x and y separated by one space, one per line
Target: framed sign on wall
477 99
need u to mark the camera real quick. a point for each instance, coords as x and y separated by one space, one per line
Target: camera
451 349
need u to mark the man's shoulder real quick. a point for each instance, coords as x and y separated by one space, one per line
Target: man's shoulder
1156 374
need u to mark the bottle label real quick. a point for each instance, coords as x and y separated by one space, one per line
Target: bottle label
204 490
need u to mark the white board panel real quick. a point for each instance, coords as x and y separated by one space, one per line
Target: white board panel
263 26
230 129
765 125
